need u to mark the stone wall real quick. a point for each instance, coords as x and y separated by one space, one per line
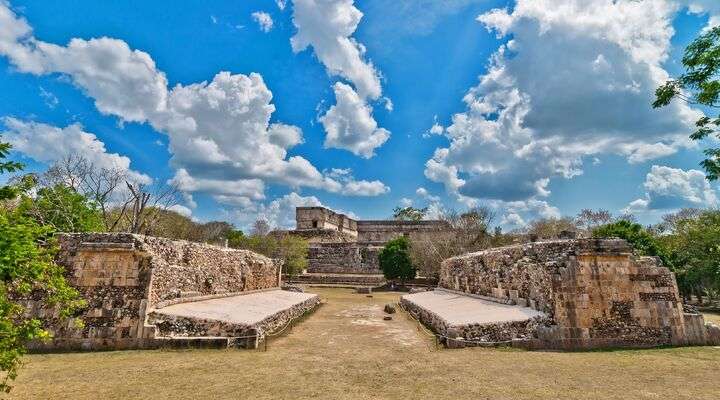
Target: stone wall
384 231
123 276
337 258
309 218
595 291
314 236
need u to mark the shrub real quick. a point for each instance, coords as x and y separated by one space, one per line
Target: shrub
395 260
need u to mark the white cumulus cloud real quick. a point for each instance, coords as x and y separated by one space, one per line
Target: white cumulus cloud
327 26
48 144
264 20
531 119
220 135
349 124
670 188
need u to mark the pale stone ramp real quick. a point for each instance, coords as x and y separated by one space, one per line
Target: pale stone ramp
456 309
248 309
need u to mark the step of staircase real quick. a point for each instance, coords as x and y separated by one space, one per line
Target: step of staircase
337 279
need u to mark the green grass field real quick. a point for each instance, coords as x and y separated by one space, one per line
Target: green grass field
346 351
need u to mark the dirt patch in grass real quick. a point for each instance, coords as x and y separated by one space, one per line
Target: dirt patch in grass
346 350
712 317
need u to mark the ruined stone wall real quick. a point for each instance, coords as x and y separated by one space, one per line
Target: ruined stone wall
122 276
336 258
474 334
595 291
381 232
318 235
324 219
180 268
341 245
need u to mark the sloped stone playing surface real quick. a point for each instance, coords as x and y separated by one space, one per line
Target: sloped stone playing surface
458 309
249 309
463 320
249 316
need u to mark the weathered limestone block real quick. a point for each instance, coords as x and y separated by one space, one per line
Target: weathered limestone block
713 334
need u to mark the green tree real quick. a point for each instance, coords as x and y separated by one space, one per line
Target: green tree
293 250
409 213
700 84
641 240
395 260
235 238
695 248
26 266
7 192
63 209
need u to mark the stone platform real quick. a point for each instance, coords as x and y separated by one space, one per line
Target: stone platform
243 319
463 320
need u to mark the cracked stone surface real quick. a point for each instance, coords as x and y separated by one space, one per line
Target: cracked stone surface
457 309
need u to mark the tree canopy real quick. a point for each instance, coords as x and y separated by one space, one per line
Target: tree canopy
694 245
700 84
63 209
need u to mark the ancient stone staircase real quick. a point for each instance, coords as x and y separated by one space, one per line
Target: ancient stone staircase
337 279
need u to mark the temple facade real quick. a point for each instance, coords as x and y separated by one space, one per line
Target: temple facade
342 248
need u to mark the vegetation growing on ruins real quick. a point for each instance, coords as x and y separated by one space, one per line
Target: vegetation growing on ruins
26 266
644 242
395 261
700 84
409 213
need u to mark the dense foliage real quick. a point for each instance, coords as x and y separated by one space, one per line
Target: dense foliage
26 265
688 242
695 249
700 84
395 260
292 250
644 242
63 209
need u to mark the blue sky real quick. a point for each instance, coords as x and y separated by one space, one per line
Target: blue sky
534 108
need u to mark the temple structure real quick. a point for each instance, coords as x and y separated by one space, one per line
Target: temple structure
344 250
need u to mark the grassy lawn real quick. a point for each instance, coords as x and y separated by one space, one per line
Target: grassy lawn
346 351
